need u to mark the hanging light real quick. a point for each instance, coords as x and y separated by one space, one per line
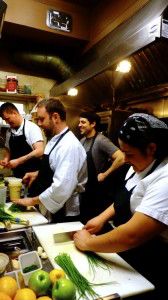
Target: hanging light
72 92
124 66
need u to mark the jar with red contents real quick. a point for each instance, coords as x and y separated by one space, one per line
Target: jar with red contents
11 84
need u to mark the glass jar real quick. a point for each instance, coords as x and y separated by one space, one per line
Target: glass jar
11 84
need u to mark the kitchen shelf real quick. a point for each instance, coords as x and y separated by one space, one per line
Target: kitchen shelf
17 97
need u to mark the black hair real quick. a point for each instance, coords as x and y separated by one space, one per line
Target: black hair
7 107
138 132
91 117
53 105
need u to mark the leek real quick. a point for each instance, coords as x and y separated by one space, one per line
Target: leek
6 217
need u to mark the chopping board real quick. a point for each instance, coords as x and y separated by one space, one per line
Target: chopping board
33 216
121 278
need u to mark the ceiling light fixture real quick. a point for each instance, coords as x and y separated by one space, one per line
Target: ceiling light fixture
124 66
72 92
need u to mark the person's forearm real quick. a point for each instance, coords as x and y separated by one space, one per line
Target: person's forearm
35 200
109 242
27 201
107 214
113 241
32 154
117 162
26 157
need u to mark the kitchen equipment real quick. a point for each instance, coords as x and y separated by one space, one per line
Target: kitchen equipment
27 260
15 187
18 277
3 192
121 278
110 297
63 237
14 243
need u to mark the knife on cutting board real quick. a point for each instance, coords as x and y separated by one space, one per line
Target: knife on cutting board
63 237
110 297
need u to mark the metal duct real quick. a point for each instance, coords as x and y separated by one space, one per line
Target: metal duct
126 39
52 65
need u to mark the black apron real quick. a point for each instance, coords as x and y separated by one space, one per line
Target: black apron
122 200
90 200
45 179
98 195
19 147
150 258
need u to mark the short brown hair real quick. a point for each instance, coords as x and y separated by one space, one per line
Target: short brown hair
53 105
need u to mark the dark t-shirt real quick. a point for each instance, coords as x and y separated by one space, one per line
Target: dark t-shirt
102 150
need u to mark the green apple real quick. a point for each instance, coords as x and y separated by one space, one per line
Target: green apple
63 289
39 282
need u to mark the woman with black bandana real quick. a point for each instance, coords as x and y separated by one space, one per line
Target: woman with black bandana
140 208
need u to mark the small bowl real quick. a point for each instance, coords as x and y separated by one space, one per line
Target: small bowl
4 260
26 260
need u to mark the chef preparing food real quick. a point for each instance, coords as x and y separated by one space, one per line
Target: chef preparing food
63 171
24 142
140 209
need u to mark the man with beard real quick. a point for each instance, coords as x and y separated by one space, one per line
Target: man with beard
63 172
24 142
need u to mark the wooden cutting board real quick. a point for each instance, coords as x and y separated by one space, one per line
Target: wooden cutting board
121 278
34 217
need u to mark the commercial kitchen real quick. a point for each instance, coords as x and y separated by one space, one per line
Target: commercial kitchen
72 50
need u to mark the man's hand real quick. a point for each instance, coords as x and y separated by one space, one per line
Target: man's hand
4 162
12 164
29 178
101 177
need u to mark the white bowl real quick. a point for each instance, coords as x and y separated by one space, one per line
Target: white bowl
4 260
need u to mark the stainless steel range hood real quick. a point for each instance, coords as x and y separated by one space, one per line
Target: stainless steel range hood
132 35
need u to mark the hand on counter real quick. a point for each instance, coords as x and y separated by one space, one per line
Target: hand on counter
27 201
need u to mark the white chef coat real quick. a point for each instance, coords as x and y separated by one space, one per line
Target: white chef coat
150 196
68 162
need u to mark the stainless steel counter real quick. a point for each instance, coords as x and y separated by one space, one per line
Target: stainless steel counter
16 242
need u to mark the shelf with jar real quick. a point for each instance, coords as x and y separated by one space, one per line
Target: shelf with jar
4 96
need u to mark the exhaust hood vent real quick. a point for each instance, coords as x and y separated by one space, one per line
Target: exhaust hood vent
59 20
164 32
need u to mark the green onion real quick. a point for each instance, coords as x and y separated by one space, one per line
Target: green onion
84 287
4 217
30 268
17 208
95 261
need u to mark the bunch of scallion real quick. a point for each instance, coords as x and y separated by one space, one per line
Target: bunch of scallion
96 261
84 287
7 218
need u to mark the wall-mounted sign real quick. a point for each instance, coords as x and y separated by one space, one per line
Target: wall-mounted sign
59 20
